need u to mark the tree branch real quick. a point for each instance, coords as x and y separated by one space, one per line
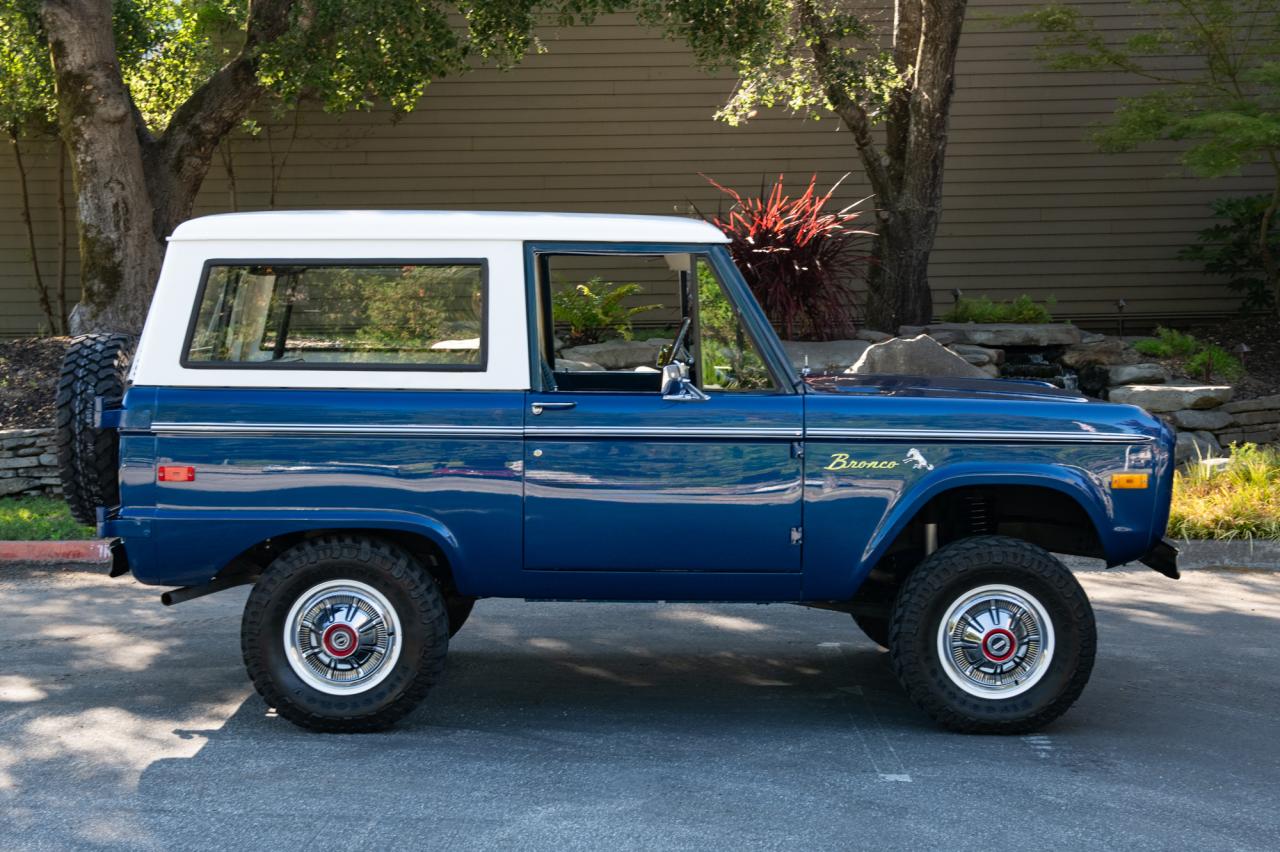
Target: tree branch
849 110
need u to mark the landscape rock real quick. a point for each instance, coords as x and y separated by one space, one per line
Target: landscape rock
914 356
1257 418
617 354
1166 398
1213 419
830 356
15 485
1265 403
1106 352
1001 335
872 336
1137 374
978 356
1249 436
1193 446
566 365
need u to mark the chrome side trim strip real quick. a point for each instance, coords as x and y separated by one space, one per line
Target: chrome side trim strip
1005 436
371 430
944 436
661 432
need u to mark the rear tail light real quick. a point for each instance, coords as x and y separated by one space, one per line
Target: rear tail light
175 473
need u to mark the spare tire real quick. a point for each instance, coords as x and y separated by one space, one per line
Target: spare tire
88 458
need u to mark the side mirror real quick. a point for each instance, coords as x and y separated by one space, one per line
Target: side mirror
676 386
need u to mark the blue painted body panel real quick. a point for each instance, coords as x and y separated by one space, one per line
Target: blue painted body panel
624 496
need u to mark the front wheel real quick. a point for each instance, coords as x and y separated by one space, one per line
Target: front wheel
344 634
992 635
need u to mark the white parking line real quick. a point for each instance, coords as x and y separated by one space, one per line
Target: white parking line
884 759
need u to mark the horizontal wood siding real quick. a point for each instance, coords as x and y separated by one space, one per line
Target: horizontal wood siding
614 118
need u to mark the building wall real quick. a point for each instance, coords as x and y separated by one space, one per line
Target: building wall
614 118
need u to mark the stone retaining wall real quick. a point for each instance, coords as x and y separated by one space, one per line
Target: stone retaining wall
28 462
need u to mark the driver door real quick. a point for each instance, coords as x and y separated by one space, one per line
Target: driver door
622 478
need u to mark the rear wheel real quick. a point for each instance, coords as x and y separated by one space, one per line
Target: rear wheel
992 635
344 634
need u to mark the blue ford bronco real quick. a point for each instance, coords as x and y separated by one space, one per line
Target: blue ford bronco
377 418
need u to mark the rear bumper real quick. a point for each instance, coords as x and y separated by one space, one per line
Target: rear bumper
1164 559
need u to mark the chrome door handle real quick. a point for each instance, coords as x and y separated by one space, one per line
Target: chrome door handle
539 407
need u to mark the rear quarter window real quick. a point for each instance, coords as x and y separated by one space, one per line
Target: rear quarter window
334 315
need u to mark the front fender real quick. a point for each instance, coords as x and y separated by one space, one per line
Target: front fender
209 539
1074 482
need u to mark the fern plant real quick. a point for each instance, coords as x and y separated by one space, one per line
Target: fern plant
594 311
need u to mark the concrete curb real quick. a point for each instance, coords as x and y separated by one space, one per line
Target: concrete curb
55 551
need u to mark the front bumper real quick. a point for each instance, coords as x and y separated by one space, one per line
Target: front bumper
1163 558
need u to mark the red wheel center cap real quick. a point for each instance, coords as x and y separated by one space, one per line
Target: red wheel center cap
340 641
999 645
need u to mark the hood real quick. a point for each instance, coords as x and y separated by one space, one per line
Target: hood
942 388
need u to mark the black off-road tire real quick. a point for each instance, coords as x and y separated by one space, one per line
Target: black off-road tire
459 609
945 577
88 458
395 574
875 626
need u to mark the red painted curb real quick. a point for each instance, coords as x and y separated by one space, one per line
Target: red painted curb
54 551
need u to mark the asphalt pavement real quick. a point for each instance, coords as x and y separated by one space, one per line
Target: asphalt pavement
125 724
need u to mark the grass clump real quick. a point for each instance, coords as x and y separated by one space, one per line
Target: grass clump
982 309
1202 360
1238 501
39 519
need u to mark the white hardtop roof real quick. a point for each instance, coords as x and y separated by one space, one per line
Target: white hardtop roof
447 225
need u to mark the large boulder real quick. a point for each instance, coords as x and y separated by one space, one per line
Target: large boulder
1000 335
1193 446
617 354
1097 352
915 356
1263 403
1165 398
1137 374
830 356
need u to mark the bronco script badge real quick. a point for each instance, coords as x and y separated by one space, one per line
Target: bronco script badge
915 458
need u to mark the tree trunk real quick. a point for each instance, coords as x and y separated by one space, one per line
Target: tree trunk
119 250
898 284
63 314
132 188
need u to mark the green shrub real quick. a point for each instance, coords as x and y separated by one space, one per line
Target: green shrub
1168 343
39 519
1199 359
1212 361
1232 248
594 310
982 309
1240 500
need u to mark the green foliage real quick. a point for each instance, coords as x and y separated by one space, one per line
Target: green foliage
729 360
1240 500
1169 343
982 309
1226 111
769 43
1197 358
27 103
1231 248
594 310
1212 360
39 519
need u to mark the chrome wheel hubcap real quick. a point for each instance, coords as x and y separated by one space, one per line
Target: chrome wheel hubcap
995 641
342 637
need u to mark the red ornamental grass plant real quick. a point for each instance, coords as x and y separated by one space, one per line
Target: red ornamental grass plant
799 259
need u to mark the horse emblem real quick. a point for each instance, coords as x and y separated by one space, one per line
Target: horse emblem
917 460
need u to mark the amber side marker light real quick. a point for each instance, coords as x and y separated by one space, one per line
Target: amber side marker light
175 473
1129 480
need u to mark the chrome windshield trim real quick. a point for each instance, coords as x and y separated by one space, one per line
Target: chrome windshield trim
1007 436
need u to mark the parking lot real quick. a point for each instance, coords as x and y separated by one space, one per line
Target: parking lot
124 724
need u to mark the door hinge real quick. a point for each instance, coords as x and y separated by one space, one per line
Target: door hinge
797 535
